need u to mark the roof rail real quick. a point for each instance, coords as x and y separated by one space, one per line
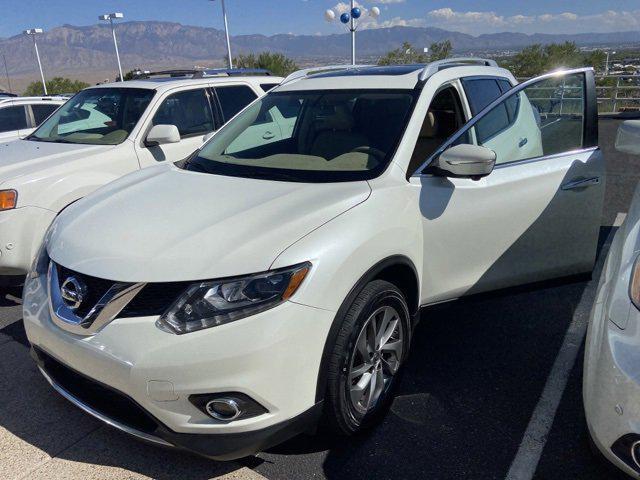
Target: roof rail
329 68
172 73
435 67
214 72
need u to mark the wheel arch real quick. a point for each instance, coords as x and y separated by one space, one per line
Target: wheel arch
396 269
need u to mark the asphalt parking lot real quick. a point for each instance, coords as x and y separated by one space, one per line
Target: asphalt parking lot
492 390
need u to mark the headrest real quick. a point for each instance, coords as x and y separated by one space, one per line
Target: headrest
429 126
341 119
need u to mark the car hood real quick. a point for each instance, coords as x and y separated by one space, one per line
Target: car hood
166 224
21 157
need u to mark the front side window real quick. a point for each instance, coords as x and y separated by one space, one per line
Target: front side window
12 118
96 116
41 111
543 119
325 136
188 110
233 99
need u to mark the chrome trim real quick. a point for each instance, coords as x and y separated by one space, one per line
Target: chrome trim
471 123
581 183
226 401
94 413
108 307
634 457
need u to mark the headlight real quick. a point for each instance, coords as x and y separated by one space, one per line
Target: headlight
216 302
8 199
634 285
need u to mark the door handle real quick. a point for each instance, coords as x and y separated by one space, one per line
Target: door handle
523 142
581 183
268 135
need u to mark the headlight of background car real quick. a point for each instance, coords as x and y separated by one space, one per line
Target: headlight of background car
634 285
216 302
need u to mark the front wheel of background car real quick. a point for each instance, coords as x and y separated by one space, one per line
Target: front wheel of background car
365 363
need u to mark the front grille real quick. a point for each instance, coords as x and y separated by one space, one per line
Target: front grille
105 400
153 299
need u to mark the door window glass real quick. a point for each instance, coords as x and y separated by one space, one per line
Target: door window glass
233 99
545 118
189 111
481 92
42 111
12 118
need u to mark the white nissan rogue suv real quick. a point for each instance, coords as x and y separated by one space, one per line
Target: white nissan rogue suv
229 301
105 132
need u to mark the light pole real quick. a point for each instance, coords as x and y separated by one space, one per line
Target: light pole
33 32
226 34
350 20
111 17
6 71
606 69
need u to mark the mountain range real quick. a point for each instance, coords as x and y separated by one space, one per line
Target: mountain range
152 44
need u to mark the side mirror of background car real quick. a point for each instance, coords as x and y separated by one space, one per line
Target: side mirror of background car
466 161
162 134
628 138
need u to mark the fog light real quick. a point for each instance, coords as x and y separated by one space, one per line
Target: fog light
227 406
225 409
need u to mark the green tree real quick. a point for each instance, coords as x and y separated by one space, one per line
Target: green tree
276 63
56 85
440 50
537 59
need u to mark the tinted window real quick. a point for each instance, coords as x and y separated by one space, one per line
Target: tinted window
505 85
268 86
233 99
12 118
480 93
41 112
96 116
188 110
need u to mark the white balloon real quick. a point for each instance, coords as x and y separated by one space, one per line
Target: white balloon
329 15
374 12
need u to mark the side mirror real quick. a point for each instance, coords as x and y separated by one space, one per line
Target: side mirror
162 134
628 138
466 161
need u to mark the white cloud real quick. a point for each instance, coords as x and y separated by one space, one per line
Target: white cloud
566 22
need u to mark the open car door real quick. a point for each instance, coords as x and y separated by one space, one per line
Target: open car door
537 214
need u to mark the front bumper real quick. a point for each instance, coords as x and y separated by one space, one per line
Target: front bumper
272 357
611 387
21 232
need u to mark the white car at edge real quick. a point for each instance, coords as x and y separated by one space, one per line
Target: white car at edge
611 388
230 301
105 132
19 116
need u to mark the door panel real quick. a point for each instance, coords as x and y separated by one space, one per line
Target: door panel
537 215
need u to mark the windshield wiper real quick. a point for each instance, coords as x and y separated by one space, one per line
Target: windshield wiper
271 176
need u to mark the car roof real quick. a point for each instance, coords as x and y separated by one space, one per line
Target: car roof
28 100
168 83
386 77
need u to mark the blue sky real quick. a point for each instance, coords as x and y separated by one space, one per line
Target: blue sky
306 16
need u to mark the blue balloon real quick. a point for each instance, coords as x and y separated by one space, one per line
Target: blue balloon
356 12
345 17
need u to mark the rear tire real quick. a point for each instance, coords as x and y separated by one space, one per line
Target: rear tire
367 357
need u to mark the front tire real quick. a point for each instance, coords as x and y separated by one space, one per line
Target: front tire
366 360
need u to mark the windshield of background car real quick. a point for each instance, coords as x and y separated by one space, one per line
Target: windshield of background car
98 116
310 136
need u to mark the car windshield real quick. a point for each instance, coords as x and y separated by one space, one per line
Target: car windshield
96 116
310 136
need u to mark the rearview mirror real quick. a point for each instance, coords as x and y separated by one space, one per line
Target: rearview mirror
162 134
628 138
466 161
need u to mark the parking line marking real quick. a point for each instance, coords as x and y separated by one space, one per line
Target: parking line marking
619 219
525 463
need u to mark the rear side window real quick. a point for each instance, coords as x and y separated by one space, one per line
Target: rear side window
41 112
233 99
13 118
481 92
189 111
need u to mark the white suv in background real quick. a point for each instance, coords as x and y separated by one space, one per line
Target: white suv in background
229 301
19 116
107 131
